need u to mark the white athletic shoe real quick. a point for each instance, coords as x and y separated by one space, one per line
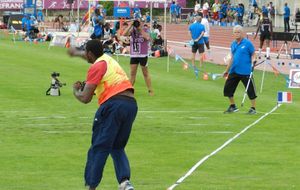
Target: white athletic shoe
126 185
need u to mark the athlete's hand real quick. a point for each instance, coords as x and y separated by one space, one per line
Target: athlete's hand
225 74
77 85
72 52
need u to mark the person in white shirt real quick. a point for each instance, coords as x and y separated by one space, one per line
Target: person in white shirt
197 7
205 9
205 22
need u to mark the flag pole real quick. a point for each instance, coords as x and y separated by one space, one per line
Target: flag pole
263 77
165 33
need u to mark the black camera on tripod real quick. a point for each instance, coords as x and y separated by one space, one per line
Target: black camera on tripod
54 74
297 16
54 89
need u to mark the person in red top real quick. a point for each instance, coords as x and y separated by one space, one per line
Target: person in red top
113 119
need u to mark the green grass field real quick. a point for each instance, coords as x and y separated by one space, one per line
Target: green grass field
44 139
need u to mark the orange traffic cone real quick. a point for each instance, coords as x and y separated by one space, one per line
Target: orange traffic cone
157 53
205 76
185 66
68 44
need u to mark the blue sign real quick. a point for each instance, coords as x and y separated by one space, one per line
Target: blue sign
121 11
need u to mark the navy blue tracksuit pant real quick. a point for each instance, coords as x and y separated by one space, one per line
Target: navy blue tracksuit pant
111 130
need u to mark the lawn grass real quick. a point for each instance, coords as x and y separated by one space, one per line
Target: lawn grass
44 139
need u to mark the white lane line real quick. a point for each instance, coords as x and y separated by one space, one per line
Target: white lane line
197 124
43 117
211 132
181 179
56 124
69 132
180 111
220 132
197 117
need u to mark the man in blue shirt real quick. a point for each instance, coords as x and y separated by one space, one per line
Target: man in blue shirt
239 69
40 16
265 10
98 25
173 12
197 31
240 14
24 22
178 12
286 17
137 12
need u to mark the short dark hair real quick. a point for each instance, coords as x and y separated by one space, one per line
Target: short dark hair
95 46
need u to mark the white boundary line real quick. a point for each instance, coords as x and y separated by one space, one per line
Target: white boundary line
217 47
180 180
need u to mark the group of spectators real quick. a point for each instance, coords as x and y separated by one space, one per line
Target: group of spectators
114 38
30 24
220 11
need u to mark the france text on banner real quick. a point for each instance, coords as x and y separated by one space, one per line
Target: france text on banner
11 4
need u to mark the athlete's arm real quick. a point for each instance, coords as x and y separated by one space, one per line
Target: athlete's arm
259 23
86 95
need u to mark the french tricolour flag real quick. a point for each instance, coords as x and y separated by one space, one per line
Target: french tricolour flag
284 97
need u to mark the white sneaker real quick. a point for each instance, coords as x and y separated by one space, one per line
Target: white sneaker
126 185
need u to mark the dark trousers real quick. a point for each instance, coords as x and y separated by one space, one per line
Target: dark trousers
111 130
232 83
287 24
240 20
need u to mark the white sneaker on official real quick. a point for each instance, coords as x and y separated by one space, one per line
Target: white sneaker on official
126 185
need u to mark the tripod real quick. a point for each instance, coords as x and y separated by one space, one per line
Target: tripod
296 35
266 62
285 46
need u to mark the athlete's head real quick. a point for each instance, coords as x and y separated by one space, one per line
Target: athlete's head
94 50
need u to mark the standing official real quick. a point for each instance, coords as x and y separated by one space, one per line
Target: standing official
286 17
197 31
239 69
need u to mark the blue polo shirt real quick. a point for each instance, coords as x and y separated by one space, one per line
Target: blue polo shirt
196 29
40 16
240 11
265 10
178 9
97 27
24 21
287 12
242 53
173 8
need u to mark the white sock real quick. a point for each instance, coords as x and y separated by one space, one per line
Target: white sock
259 51
268 51
208 53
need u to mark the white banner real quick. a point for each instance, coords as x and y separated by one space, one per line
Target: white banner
294 78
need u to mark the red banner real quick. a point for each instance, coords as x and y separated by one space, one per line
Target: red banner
63 4
146 4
